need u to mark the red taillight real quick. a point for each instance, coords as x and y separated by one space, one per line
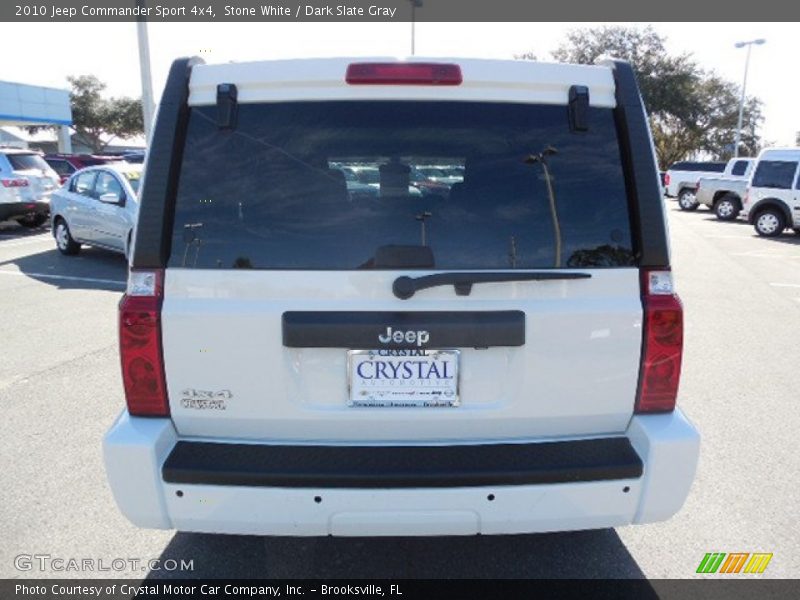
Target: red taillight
666 178
140 345
403 74
662 350
14 183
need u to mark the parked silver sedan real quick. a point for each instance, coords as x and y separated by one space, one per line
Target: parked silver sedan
97 206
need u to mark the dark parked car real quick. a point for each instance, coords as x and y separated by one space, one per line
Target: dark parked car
135 156
66 164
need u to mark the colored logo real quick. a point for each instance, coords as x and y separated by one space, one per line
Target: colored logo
734 562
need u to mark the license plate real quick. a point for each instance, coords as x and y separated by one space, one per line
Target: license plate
403 378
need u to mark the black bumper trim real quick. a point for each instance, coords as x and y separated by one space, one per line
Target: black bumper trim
401 466
443 329
12 210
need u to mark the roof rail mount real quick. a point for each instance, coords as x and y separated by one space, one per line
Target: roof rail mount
227 105
578 108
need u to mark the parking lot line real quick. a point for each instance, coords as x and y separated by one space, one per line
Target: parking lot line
789 285
64 277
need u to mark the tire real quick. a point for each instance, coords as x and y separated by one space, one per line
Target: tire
769 222
796 230
33 221
687 199
64 242
727 208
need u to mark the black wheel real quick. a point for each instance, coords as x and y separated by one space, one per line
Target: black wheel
33 221
770 222
727 208
64 241
687 199
796 230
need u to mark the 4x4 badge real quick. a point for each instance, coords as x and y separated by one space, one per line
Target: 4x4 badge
205 399
206 394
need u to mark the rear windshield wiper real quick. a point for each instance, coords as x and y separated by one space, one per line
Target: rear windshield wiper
404 287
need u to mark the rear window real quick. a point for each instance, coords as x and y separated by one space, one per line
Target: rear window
329 185
61 167
739 167
23 162
774 174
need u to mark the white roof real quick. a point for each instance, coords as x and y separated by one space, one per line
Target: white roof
324 79
780 154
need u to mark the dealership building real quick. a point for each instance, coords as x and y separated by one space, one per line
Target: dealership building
23 105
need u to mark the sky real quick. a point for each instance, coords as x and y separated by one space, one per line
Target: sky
109 51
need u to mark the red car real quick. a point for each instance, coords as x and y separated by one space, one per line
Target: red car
66 164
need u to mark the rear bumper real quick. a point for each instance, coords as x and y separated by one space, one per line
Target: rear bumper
395 467
161 481
13 210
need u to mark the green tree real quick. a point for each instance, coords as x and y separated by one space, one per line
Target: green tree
691 110
97 119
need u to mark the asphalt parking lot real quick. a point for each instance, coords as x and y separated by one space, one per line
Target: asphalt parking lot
60 389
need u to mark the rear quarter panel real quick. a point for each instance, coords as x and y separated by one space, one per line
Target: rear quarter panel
58 204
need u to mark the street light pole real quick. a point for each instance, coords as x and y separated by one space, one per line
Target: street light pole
542 158
744 87
148 106
414 5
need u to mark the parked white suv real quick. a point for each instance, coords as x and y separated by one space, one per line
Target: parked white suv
772 202
26 184
300 361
